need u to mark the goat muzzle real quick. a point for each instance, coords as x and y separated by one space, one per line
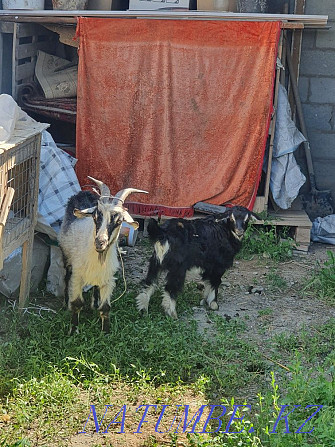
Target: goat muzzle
101 244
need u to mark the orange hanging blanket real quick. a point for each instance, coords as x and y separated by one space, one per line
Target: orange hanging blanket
180 108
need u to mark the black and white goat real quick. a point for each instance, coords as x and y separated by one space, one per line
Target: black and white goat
90 247
204 246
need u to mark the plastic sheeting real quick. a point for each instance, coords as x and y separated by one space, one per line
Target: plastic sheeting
286 178
179 108
323 229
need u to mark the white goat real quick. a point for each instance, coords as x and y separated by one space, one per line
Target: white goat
90 248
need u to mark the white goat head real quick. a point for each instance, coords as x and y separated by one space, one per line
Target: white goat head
108 215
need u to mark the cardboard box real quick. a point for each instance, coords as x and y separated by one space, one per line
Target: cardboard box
216 5
146 5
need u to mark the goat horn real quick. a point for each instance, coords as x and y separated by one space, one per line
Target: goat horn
123 194
104 190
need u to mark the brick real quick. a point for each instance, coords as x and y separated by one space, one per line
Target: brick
318 117
322 7
308 39
303 88
317 63
326 38
322 90
323 147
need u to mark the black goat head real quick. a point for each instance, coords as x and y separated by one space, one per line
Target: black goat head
237 219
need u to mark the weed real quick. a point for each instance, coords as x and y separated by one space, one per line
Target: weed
275 281
267 243
265 312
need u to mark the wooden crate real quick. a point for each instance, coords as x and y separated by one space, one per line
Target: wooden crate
19 174
19 44
298 221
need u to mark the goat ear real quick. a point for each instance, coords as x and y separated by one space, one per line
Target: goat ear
83 213
127 218
254 216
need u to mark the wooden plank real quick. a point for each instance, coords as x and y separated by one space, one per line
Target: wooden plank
27 249
293 25
289 218
30 49
303 234
25 71
259 204
6 27
27 255
26 29
14 60
8 248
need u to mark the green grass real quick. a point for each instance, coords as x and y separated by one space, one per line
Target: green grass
322 283
48 380
267 243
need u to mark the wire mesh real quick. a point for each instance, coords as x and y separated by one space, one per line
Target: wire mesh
18 170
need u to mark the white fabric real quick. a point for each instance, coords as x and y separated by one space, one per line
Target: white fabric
323 229
286 178
58 181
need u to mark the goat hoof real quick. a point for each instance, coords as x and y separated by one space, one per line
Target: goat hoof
214 305
105 325
143 313
73 330
172 315
142 302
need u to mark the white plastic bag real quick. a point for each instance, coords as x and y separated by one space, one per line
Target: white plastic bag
9 113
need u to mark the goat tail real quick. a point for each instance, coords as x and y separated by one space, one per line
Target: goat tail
154 230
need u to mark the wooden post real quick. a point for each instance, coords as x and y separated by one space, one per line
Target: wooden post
14 59
27 248
27 255
273 126
296 49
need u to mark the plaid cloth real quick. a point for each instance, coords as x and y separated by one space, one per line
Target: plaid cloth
58 181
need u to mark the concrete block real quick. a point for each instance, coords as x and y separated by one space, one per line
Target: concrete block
10 275
322 7
318 117
324 175
322 90
303 88
308 39
317 63
326 38
323 148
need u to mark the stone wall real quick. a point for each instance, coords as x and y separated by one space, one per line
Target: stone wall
317 90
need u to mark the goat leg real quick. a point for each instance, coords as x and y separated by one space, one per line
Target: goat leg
75 307
174 284
95 297
104 315
143 299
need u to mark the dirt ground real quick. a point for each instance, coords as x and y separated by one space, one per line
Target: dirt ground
269 297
